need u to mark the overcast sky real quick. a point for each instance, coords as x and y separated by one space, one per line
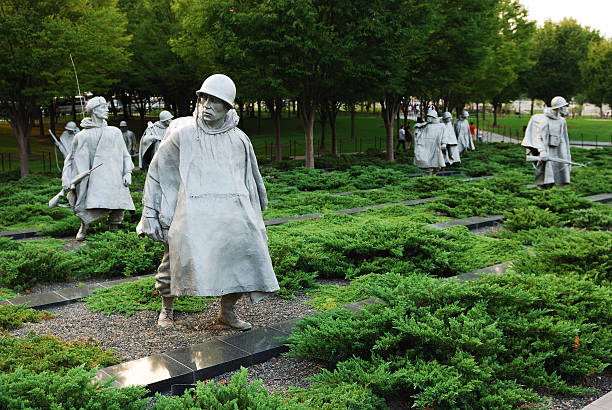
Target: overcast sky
596 14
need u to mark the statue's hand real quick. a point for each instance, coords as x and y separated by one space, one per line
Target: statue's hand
151 227
544 157
127 180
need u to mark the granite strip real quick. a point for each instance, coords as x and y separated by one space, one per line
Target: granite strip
21 233
604 402
474 222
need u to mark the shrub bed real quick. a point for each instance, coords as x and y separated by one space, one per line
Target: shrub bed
475 345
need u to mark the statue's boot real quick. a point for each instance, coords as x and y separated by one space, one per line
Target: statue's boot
166 316
82 233
227 315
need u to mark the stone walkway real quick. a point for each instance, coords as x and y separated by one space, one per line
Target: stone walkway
489 136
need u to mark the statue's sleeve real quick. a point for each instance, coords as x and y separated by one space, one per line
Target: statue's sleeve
536 135
128 165
68 170
163 180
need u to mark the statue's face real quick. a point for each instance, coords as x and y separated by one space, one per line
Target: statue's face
101 111
214 108
431 120
165 123
446 119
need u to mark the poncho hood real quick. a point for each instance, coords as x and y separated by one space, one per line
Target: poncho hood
88 122
230 121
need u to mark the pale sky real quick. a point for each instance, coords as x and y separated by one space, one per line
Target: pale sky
596 14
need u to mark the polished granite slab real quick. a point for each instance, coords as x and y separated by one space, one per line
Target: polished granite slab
157 372
601 198
21 233
261 343
210 358
41 300
474 222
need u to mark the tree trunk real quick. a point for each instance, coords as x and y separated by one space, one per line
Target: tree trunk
389 108
333 113
277 135
494 115
353 121
41 123
307 107
323 121
532 103
20 119
52 117
483 110
258 117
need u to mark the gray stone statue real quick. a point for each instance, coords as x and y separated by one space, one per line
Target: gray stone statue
451 154
153 135
67 137
428 144
547 144
462 131
105 190
129 138
203 199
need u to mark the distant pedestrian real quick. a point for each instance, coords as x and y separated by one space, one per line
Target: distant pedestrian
58 111
401 139
409 137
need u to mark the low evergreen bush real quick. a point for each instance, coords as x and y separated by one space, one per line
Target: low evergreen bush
393 239
43 353
480 344
238 394
530 217
13 317
27 389
130 297
571 253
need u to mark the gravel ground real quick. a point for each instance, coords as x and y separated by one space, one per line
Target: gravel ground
279 373
602 383
138 336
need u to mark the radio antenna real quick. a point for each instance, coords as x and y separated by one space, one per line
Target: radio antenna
78 86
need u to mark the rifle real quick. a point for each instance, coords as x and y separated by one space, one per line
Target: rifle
534 158
59 144
76 180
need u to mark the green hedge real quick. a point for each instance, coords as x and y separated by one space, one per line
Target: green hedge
472 345
23 264
394 239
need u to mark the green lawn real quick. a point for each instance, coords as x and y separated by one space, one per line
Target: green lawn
590 129
369 133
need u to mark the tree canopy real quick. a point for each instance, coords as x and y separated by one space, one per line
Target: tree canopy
39 37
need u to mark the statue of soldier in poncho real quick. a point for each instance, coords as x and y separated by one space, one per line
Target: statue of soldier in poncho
547 144
429 145
451 154
152 137
129 138
67 138
99 148
462 131
203 199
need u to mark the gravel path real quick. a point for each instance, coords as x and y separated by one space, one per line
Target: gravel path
279 373
138 336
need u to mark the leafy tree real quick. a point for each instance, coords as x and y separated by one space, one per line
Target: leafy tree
595 71
242 39
510 55
559 49
38 38
462 39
